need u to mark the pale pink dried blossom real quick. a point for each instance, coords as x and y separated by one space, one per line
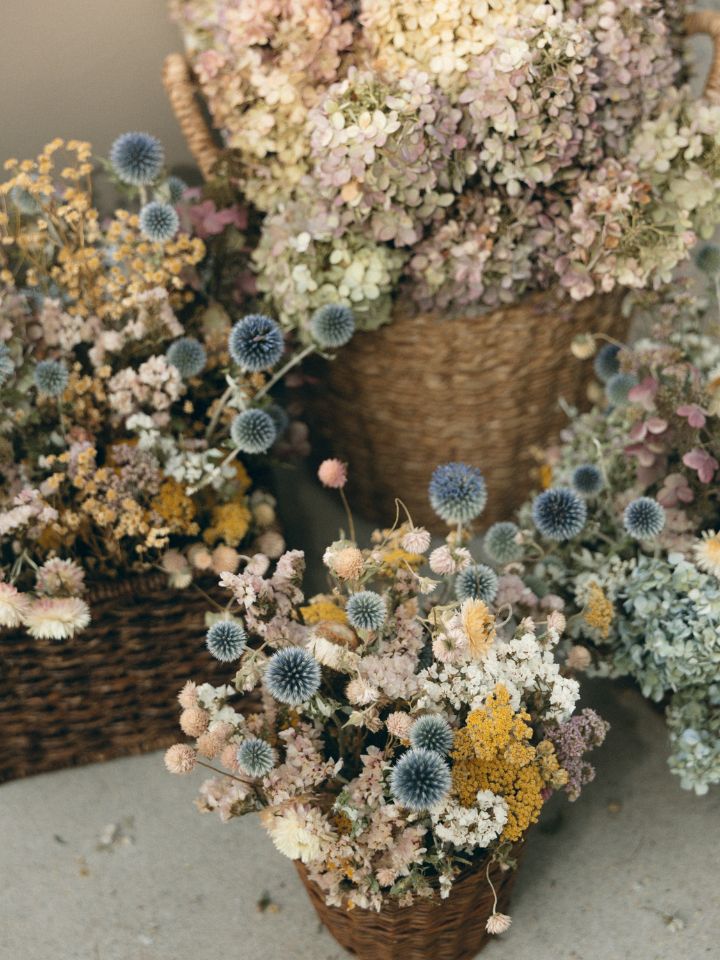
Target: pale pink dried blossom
347 563
258 565
333 474
271 543
194 721
14 606
180 758
360 692
702 462
644 393
447 560
674 491
225 558
556 621
416 540
60 577
498 923
200 557
210 744
188 695
57 618
578 658
177 568
695 415
398 724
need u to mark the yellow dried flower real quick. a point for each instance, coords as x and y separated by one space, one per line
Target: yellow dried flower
323 610
479 626
598 612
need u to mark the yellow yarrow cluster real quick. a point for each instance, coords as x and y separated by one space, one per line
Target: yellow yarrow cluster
176 508
492 752
320 611
598 612
230 523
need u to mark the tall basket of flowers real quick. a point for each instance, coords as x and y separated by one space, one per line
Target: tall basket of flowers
412 728
127 395
478 184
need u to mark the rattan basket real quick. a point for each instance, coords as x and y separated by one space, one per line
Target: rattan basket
434 929
424 390
110 691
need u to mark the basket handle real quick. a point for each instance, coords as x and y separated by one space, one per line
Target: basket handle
180 86
708 21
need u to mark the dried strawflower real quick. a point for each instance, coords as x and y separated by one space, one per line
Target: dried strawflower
498 923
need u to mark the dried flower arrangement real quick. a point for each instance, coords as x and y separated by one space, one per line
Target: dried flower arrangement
473 151
127 392
412 723
625 539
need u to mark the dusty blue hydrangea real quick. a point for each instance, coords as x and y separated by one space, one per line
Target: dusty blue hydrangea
159 222
366 610
559 513
6 365
693 719
457 492
332 326
51 377
256 343
587 479
501 542
606 361
226 640
292 676
667 632
420 780
618 387
477 582
432 732
644 518
256 757
253 431
137 158
188 355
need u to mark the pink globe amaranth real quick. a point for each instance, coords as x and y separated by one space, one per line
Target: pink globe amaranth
333 474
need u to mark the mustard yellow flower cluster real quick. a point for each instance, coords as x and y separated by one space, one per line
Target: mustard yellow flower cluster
492 752
598 613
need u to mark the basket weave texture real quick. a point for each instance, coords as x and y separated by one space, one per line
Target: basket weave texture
434 929
110 691
426 389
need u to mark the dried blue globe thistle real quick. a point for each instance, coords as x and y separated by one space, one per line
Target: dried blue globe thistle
279 418
6 365
159 222
457 492
644 518
618 387
256 343
137 158
420 779
51 377
256 757
559 514
478 582
172 190
253 431
366 610
708 259
188 356
606 361
432 732
587 479
501 542
292 675
226 640
332 325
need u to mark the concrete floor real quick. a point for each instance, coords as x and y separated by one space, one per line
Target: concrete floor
112 862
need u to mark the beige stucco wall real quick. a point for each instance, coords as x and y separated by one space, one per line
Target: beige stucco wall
88 69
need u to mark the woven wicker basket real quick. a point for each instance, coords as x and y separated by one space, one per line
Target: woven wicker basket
435 929
112 690
420 391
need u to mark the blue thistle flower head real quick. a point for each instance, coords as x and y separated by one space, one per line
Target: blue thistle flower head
279 418
256 343
6 364
253 431
559 513
172 190
618 387
256 757
708 259
332 325
51 377
420 780
587 479
188 355
644 518
292 675
432 732
366 610
24 201
226 640
457 492
478 582
159 222
501 544
606 361
137 158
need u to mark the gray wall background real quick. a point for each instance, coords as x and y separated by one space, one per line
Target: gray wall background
90 69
